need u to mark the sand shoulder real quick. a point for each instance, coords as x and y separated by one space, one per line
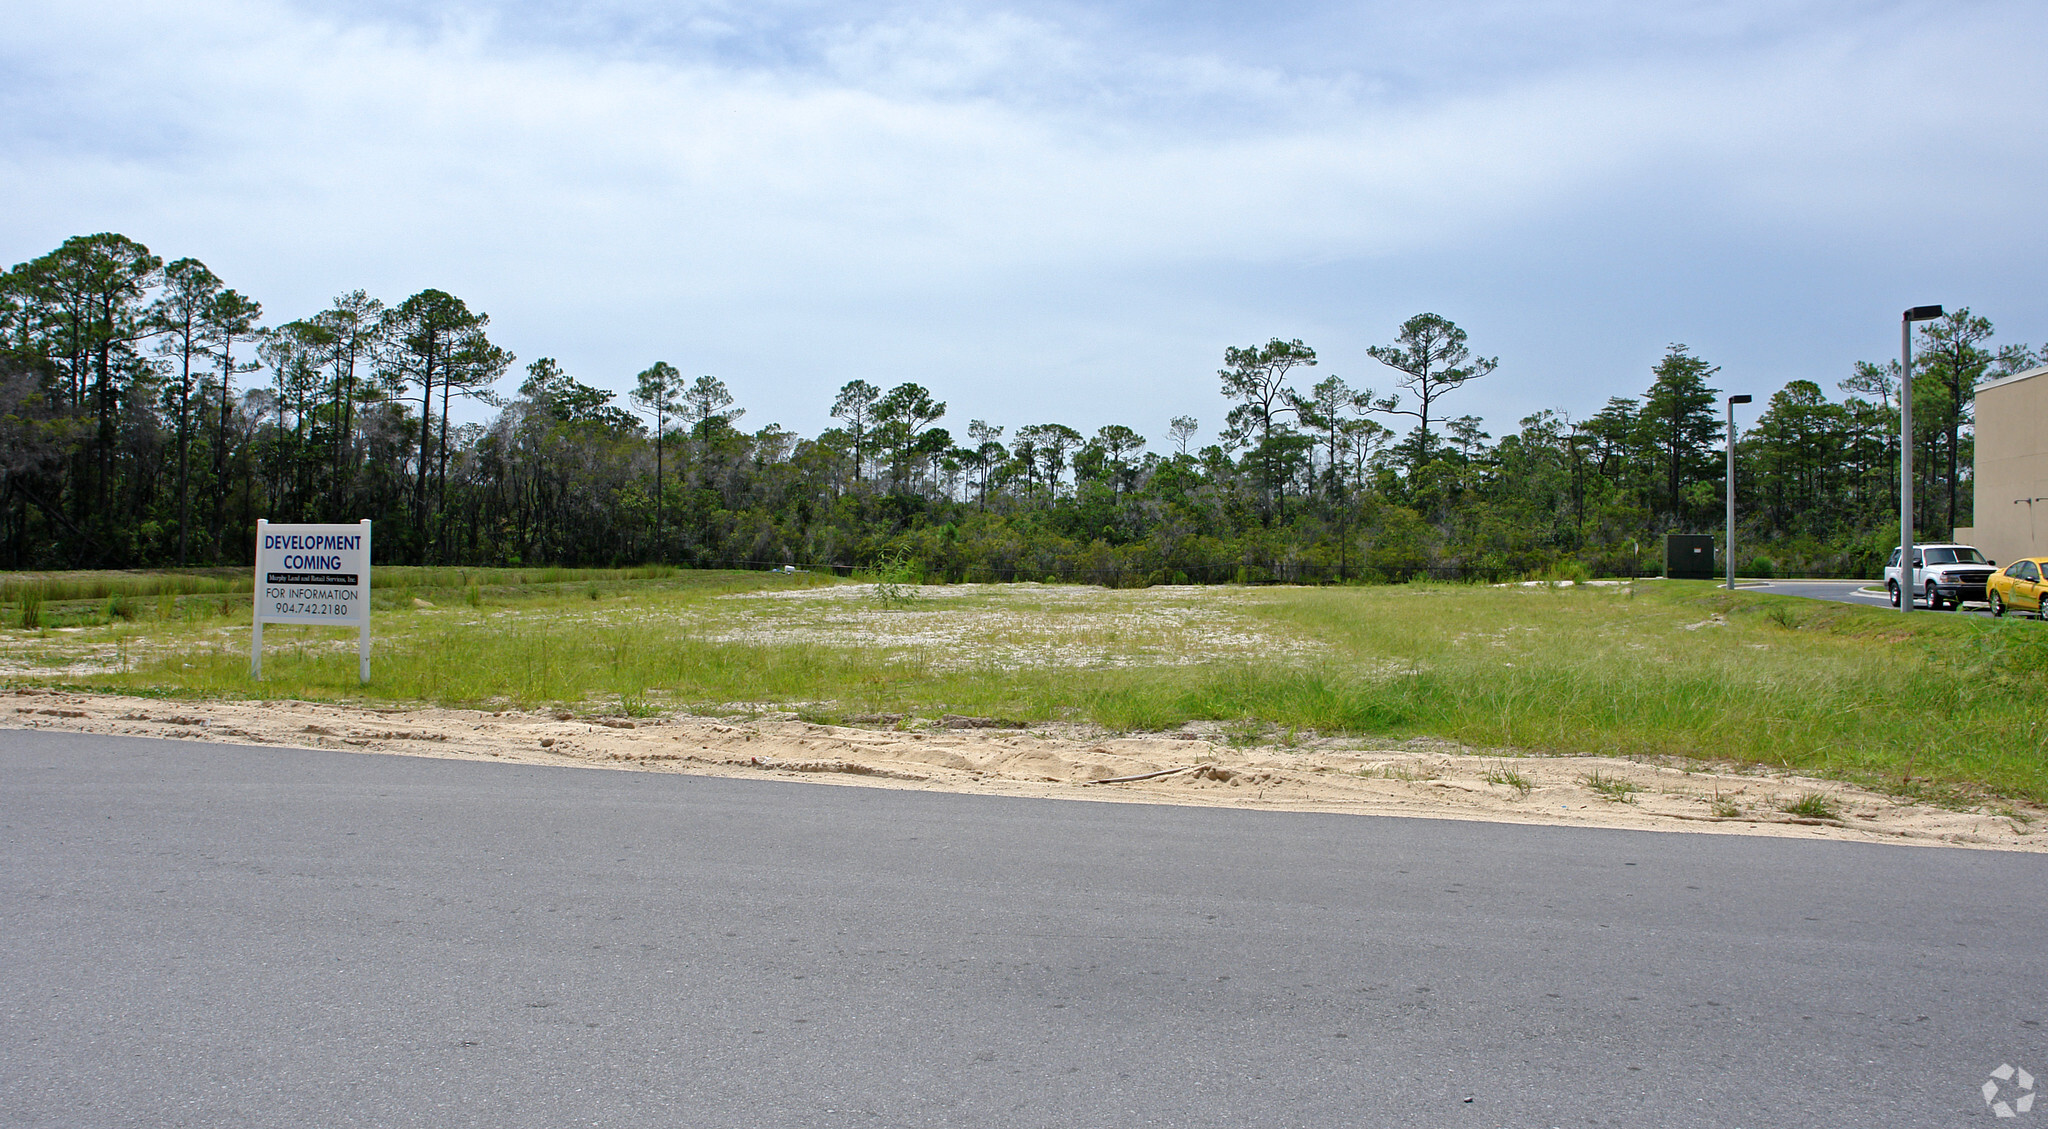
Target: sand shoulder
1417 778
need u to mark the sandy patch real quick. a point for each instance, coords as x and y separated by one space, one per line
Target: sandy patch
1013 626
82 652
1417 778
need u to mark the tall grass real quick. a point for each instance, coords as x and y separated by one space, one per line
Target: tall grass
58 587
1846 691
61 587
1922 703
435 576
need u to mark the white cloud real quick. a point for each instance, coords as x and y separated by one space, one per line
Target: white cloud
936 174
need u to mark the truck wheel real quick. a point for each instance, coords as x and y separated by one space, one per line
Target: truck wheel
1933 598
1997 605
1893 588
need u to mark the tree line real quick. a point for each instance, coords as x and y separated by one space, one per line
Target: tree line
149 415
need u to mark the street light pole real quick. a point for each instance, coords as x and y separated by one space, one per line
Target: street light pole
1907 581
1730 436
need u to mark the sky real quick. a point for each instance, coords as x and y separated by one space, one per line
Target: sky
1065 212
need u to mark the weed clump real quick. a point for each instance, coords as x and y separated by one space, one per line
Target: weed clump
1813 805
1616 789
31 606
634 703
1508 777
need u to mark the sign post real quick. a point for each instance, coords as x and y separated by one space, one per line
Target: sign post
317 574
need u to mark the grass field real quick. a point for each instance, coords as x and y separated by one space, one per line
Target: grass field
1929 704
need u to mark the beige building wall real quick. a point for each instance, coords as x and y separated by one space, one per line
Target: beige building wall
2012 467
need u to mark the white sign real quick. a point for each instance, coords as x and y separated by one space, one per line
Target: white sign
316 574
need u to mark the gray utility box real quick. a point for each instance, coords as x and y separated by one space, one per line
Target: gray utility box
1688 556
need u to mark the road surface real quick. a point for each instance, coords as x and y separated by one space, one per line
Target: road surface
204 935
1869 593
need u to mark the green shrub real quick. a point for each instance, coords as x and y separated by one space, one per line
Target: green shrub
1567 570
895 578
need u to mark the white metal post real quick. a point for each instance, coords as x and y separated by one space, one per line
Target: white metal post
256 608
363 604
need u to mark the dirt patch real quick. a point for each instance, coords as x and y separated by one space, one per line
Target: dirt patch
1013 626
1418 778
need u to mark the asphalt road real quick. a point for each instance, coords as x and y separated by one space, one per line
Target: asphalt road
200 935
1839 591
1853 592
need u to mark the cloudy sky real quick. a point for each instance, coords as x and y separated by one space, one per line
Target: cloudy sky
1065 212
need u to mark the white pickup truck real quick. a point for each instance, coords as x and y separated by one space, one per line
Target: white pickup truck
1946 575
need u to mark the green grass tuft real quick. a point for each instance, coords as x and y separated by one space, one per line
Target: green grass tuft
1508 777
1615 788
1813 805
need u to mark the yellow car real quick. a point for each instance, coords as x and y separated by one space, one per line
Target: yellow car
2019 586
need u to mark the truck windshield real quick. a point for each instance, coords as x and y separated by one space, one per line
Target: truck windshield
1963 555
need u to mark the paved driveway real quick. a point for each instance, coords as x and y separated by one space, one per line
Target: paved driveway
1870 593
1839 591
204 935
